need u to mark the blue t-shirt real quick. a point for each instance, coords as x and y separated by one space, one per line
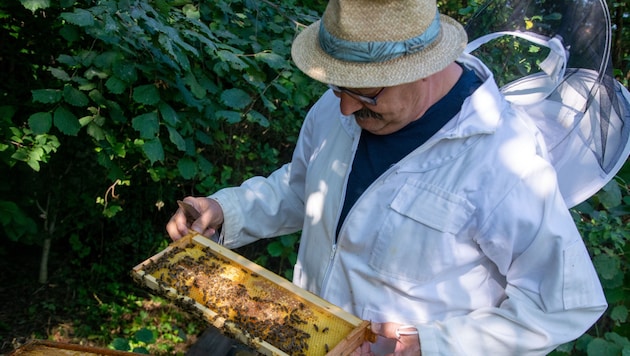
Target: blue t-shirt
376 153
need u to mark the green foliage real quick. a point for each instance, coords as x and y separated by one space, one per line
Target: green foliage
113 110
604 223
150 326
285 248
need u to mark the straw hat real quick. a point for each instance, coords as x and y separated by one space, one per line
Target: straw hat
377 43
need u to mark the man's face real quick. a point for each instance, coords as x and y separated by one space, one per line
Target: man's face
395 108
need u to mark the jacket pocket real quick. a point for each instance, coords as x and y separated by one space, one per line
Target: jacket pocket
418 238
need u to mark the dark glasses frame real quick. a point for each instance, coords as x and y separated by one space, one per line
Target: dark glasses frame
371 100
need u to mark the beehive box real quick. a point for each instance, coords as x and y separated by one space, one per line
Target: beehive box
52 348
248 302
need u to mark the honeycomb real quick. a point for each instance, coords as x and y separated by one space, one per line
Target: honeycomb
248 302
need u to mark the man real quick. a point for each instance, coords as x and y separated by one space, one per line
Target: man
425 202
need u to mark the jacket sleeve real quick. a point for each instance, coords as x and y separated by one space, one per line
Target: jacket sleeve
553 294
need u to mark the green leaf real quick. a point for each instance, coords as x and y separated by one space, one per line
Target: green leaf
125 71
115 85
147 124
75 97
619 313
93 72
35 5
66 121
599 346
607 266
168 113
176 138
154 150
610 195
60 74
120 344
67 60
232 117
273 60
140 350
288 240
232 59
187 168
191 11
79 17
236 98
145 335
255 116
46 96
146 94
70 33
197 90
40 122
95 131
275 249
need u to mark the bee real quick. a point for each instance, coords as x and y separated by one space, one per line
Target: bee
326 348
316 327
325 330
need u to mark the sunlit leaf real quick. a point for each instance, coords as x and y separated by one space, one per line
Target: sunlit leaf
35 5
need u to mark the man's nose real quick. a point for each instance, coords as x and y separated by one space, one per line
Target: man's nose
348 104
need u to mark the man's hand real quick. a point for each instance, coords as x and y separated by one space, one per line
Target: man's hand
394 340
209 220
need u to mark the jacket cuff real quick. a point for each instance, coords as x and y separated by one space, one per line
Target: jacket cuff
428 340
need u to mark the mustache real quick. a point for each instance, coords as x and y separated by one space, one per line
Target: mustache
366 113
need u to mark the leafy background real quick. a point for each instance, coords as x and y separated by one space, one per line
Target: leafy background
112 110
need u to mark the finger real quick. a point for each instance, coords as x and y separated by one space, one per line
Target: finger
177 226
210 215
387 330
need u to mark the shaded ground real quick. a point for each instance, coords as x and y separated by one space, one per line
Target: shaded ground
20 321
53 311
57 311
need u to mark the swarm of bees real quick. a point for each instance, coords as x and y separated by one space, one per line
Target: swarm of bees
201 278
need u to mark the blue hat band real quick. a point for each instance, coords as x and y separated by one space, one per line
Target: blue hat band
370 52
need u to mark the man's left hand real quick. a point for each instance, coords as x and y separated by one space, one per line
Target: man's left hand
394 340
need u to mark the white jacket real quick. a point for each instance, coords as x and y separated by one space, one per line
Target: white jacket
467 237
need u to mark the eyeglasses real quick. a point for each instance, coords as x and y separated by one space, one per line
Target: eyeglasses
371 100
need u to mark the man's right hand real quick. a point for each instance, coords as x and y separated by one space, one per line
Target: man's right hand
209 221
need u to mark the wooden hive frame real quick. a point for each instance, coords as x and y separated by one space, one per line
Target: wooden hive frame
315 317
